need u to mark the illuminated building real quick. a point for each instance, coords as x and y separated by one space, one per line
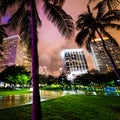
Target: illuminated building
74 62
43 70
14 53
101 60
60 70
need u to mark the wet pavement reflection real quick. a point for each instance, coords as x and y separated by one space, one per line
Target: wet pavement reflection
17 100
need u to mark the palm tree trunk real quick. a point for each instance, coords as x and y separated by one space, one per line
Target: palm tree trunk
110 57
36 105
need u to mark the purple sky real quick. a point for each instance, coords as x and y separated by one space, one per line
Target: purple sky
51 43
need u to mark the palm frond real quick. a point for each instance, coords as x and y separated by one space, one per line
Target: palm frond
111 25
2 36
80 38
111 16
88 10
110 3
17 17
5 4
2 33
101 7
56 2
63 21
84 20
25 24
25 31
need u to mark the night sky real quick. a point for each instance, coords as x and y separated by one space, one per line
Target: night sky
51 43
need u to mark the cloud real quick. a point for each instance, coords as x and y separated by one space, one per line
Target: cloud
51 43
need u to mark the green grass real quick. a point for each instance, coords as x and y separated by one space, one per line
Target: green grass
14 92
70 107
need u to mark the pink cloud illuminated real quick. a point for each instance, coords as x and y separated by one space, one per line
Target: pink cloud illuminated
51 42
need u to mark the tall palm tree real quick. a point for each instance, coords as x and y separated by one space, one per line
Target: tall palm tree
89 26
27 13
110 3
36 106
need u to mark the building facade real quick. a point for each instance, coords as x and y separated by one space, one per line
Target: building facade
74 62
14 53
101 60
43 70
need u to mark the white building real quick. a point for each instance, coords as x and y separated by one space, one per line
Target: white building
74 62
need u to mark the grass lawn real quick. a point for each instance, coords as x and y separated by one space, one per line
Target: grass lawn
14 92
70 107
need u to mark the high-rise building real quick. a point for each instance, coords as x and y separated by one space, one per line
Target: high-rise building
74 62
14 53
60 70
101 60
43 70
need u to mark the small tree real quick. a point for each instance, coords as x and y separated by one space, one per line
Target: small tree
15 75
23 79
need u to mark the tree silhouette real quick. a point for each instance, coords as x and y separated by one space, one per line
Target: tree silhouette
90 25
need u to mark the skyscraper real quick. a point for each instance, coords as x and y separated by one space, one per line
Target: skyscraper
14 53
43 70
74 62
101 60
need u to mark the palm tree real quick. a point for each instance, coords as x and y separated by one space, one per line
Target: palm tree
27 13
90 26
110 3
